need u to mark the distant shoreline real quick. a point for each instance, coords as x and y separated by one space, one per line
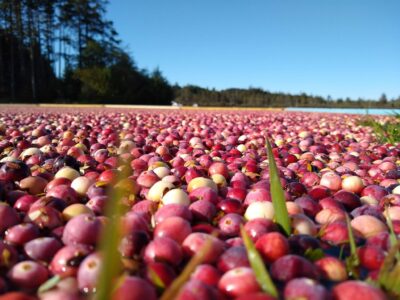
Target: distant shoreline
168 107
356 111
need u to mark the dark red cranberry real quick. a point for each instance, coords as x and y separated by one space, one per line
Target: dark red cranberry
14 170
232 258
42 248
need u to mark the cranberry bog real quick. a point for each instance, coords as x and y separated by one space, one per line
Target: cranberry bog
152 203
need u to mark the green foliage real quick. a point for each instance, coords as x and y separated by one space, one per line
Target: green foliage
257 97
314 254
389 274
258 266
392 235
95 82
49 284
110 239
108 74
352 261
159 284
387 132
277 194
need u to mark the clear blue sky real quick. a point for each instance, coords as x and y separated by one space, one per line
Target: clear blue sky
321 47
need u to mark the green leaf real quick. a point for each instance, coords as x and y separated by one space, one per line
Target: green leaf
101 183
314 254
173 290
353 247
257 264
392 234
389 274
352 261
341 253
278 196
110 239
156 279
388 132
351 267
49 284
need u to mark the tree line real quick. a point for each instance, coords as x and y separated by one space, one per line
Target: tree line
67 51
257 97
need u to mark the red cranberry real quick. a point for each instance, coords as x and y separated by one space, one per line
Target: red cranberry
164 273
349 200
82 229
203 210
15 170
371 257
175 228
234 257
42 248
21 233
88 273
239 281
133 243
195 289
309 205
163 249
257 227
375 191
67 260
204 193
290 266
335 233
207 274
135 288
229 224
133 221
8 217
171 210
195 241
24 203
45 217
272 246
63 192
357 290
28 275
230 206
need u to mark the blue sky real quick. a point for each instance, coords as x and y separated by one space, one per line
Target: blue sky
341 48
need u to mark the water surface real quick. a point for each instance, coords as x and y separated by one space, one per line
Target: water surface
361 111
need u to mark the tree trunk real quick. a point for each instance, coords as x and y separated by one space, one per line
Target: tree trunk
32 53
38 59
79 44
12 59
60 54
20 38
2 87
49 37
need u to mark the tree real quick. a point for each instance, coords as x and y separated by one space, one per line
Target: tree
383 100
85 20
108 73
161 90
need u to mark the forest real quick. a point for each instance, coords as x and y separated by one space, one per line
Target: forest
257 97
67 51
